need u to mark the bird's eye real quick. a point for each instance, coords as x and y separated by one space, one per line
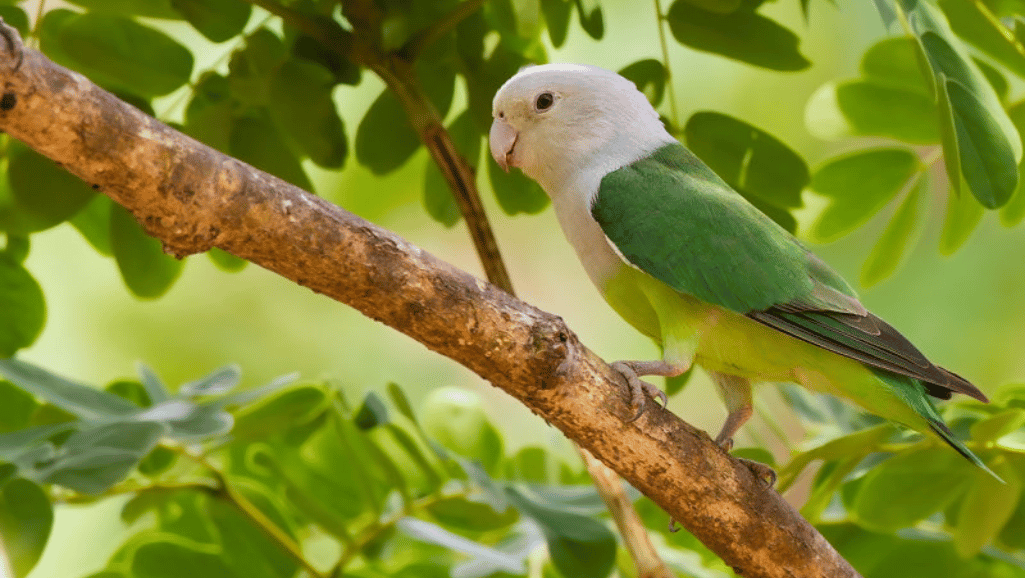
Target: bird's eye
544 101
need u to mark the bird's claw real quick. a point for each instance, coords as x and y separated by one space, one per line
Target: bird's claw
640 390
760 470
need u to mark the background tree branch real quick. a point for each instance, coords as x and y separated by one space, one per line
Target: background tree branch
192 198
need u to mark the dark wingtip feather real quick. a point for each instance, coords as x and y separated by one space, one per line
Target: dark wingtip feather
962 385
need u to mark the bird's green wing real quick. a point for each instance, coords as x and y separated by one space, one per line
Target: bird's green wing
672 217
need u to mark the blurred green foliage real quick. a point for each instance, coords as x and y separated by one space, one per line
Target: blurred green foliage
290 476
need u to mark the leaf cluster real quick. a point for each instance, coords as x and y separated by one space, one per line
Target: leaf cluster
223 483
877 488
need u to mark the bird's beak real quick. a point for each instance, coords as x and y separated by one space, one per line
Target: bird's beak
502 140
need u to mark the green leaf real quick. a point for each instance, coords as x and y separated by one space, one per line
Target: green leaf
401 402
166 559
304 110
455 418
15 17
998 425
80 400
93 222
209 117
968 22
461 513
892 246
1013 533
155 388
49 30
911 555
749 159
591 19
430 480
225 261
146 270
44 190
438 78
120 53
780 215
856 445
741 35
894 62
324 493
193 422
157 462
371 413
31 443
250 68
288 408
995 78
909 487
987 160
530 464
94 460
516 193
147 8
485 78
827 481
438 197
650 76
865 108
557 14
986 508
578 545
247 549
132 391
1014 211
26 518
963 215
221 380
218 20
718 6
858 186
257 142
22 307
16 407
344 70
384 139
970 111
17 248
484 560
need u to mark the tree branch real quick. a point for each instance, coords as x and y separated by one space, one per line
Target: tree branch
192 197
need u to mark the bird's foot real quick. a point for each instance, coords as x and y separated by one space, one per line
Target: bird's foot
640 390
761 471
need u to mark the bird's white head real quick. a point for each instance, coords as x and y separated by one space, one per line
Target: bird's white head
556 121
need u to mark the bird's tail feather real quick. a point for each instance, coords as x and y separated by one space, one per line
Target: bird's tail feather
941 429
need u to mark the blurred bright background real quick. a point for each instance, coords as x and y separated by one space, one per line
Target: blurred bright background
966 312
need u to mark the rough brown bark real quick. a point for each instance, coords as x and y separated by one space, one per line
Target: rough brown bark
192 197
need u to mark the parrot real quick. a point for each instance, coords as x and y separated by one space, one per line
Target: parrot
688 261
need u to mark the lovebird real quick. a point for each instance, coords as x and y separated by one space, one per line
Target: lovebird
686 260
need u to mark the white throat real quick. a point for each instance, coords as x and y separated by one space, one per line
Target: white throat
573 196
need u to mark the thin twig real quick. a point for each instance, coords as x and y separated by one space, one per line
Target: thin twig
415 46
660 19
228 493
